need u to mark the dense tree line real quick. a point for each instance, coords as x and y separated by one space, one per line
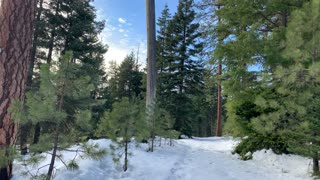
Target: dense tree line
270 77
263 56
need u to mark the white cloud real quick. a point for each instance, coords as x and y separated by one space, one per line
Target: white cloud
115 54
122 21
117 35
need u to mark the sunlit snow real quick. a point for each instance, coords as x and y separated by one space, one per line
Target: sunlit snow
188 159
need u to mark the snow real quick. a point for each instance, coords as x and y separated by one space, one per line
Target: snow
189 159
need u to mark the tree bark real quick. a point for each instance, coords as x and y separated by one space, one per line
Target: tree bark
151 64
16 27
151 52
219 105
125 166
56 136
54 154
315 166
36 136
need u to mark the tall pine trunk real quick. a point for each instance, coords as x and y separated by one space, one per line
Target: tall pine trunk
151 52
151 64
219 105
16 27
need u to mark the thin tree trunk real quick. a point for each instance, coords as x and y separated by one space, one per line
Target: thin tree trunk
152 140
36 136
219 106
52 36
56 135
315 166
54 154
16 27
125 167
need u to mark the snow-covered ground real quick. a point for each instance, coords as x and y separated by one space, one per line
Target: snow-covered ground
188 159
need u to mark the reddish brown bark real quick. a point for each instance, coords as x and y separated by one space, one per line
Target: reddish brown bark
16 26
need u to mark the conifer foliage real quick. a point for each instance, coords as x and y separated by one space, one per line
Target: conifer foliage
124 124
180 67
58 85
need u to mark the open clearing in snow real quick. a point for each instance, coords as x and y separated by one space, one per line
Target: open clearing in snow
189 159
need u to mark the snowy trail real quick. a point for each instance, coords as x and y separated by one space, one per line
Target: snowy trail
207 159
189 159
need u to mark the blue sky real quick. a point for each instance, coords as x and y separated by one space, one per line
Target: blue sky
125 29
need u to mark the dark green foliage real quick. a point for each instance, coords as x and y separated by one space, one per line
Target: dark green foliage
278 102
256 142
125 122
180 70
68 25
125 79
252 34
65 125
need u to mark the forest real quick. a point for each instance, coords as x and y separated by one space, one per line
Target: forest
225 68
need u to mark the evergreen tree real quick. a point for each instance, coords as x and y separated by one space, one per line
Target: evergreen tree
16 24
122 124
126 79
182 71
296 111
71 25
49 106
163 53
251 33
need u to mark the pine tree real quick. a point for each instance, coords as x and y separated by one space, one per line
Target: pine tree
126 79
183 70
71 25
16 24
121 125
251 33
163 37
296 110
60 84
